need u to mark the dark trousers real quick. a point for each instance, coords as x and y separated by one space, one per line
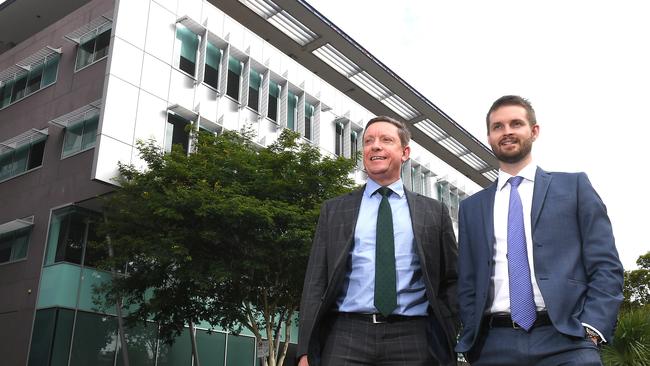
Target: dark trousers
542 346
358 342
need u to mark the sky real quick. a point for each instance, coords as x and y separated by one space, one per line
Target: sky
584 65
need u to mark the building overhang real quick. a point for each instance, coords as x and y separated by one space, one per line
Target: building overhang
301 32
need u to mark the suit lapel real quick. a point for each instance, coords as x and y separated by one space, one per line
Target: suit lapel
487 208
542 181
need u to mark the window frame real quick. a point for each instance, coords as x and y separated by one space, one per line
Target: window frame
108 27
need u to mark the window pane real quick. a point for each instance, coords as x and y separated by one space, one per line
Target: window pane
212 347
72 141
71 236
241 351
95 338
21 240
273 108
6 243
255 80
62 337
274 89
291 113
19 164
5 165
254 99
42 336
178 354
338 142
36 154
51 66
89 132
101 44
34 79
234 71
19 88
5 93
176 133
85 51
189 43
141 343
212 62
309 113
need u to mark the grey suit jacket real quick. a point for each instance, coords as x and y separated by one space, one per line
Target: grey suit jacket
576 263
436 247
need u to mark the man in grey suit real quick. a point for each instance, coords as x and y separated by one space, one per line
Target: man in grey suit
381 280
540 281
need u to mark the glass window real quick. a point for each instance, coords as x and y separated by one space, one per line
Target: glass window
71 229
354 145
241 351
21 159
51 337
309 120
189 44
141 343
212 63
212 347
176 132
95 340
292 111
51 67
234 72
274 96
13 245
40 75
93 46
179 353
254 90
5 93
338 139
80 136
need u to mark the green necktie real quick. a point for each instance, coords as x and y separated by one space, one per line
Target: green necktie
385 288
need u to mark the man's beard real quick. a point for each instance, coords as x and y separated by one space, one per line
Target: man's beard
526 148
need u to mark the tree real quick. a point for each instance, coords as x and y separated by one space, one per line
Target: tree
636 290
221 235
631 346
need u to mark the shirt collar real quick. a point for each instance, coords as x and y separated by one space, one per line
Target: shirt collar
528 173
397 187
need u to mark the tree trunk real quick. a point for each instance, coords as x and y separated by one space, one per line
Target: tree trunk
118 309
287 339
195 351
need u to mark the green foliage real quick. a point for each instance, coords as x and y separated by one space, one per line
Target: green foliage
220 235
631 346
636 291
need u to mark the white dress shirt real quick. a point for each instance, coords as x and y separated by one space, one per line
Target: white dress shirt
501 303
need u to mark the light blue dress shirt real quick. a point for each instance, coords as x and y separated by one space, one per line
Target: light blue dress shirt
359 285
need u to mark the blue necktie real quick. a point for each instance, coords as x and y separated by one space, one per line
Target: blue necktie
522 300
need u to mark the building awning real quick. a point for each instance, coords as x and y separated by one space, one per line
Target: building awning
23 139
28 63
191 24
17 224
78 115
282 20
181 111
100 22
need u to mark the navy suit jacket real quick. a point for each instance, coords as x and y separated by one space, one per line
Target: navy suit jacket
577 267
435 245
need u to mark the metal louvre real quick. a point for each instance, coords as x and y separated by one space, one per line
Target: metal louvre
16 224
282 20
78 114
25 138
26 64
95 24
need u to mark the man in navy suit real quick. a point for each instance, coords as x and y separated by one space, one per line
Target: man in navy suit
540 281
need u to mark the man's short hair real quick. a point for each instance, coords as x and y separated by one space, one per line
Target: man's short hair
509 100
402 130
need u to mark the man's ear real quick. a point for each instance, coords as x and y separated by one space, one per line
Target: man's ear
406 153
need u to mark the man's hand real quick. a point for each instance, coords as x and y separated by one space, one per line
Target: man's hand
303 361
